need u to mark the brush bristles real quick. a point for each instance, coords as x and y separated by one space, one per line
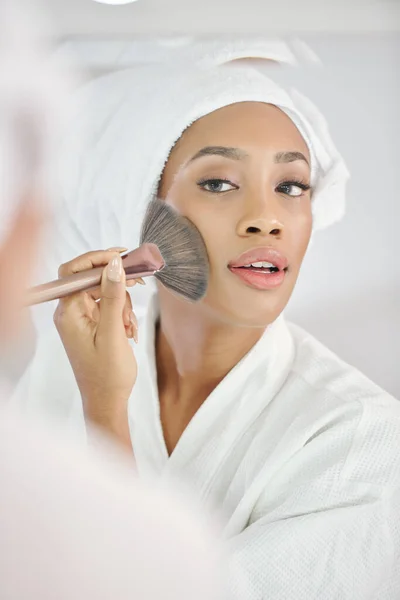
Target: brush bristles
182 248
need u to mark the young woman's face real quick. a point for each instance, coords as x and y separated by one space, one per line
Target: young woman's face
241 174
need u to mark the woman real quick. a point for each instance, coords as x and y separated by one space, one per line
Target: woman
297 451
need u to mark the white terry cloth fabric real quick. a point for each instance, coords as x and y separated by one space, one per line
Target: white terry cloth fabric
298 452
77 525
126 123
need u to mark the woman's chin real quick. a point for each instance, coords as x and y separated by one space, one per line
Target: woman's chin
248 306
250 315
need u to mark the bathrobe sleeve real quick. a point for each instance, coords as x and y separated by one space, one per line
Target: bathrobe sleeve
328 526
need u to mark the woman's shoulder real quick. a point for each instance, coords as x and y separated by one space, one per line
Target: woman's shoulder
337 409
322 369
327 427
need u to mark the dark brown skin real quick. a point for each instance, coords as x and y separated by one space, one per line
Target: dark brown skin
198 344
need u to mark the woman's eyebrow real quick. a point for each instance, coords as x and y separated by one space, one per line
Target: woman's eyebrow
288 157
226 152
239 154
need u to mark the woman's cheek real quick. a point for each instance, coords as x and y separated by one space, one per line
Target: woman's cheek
300 230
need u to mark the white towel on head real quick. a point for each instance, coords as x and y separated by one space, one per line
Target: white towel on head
126 124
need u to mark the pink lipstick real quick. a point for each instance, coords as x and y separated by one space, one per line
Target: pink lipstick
260 268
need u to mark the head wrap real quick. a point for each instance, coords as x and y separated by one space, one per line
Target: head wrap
127 122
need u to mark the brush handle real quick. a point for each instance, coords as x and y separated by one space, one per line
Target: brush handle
142 262
79 282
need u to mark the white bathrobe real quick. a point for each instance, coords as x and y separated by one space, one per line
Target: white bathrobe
297 452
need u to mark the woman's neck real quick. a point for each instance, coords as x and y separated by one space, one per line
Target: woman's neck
195 351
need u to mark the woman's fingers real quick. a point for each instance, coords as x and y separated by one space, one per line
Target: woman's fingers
130 320
74 315
95 293
127 311
98 258
113 298
134 326
80 308
91 327
128 317
119 249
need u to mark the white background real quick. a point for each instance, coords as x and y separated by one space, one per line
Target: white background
144 17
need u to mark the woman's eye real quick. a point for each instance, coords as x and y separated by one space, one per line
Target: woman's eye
291 188
217 186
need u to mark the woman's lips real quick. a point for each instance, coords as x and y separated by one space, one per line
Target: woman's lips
261 254
260 278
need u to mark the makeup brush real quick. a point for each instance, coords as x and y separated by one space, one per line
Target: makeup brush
171 248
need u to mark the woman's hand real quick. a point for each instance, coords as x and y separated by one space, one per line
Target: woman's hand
94 327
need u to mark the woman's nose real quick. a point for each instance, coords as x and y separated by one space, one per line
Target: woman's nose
261 217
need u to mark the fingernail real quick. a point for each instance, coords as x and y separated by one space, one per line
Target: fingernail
141 281
117 249
114 270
